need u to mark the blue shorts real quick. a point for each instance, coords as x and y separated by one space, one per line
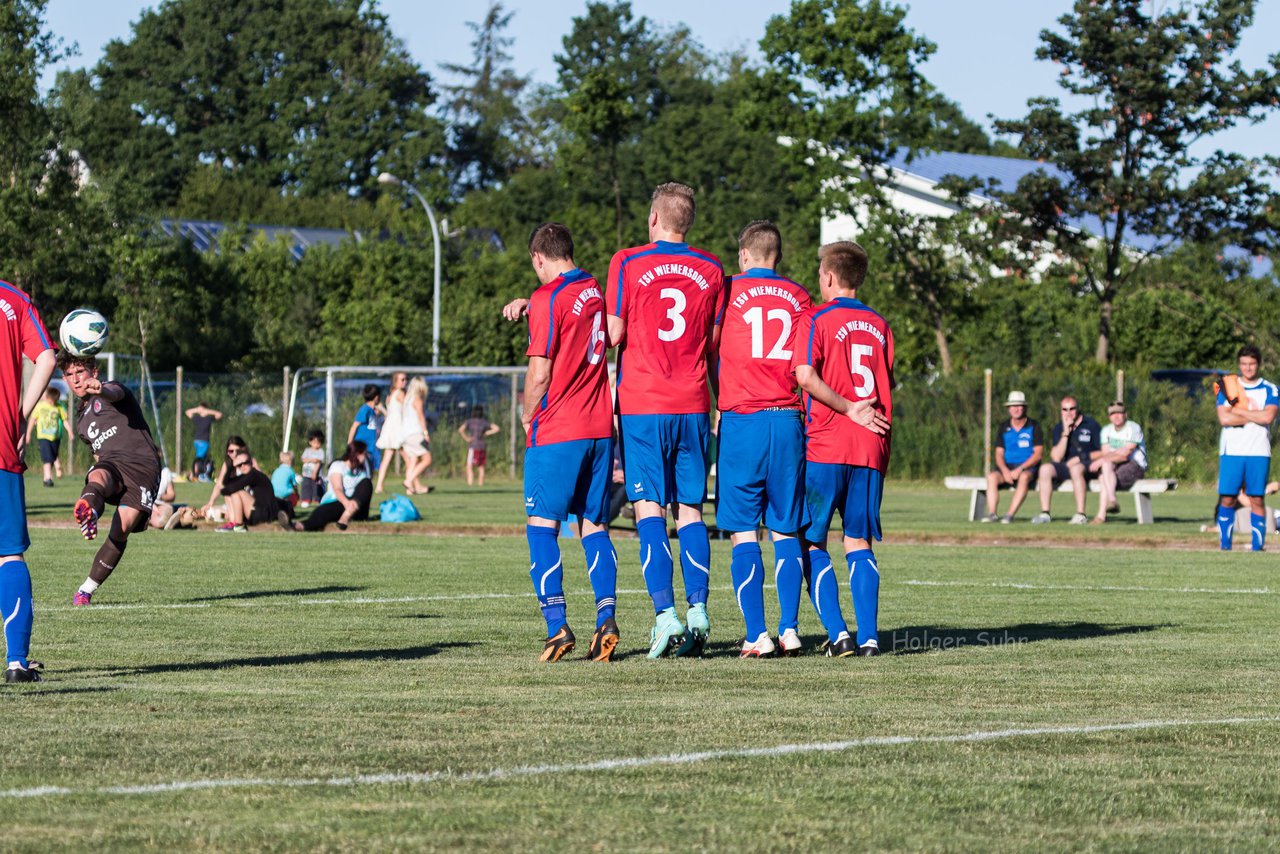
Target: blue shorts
13 519
201 448
760 473
1249 472
566 478
665 457
853 490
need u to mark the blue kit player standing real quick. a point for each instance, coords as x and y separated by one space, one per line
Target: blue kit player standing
568 420
1246 409
844 362
663 300
760 471
21 334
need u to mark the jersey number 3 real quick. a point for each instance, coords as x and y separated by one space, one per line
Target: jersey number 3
674 314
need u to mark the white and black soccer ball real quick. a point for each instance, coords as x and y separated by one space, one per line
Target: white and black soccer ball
83 332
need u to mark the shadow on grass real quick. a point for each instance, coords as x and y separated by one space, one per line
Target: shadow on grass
262 594
910 640
409 653
37 691
420 617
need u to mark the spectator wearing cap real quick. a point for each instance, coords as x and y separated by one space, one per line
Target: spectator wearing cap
1019 448
1075 437
1120 462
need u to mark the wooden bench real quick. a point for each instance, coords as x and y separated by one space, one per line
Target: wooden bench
1141 492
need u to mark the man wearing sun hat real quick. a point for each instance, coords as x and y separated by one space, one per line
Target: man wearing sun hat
1019 447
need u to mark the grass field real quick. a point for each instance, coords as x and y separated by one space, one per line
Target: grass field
363 691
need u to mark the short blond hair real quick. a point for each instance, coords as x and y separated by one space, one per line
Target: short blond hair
286 458
847 260
674 203
761 240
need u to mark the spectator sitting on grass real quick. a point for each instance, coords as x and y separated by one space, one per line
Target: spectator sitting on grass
1018 453
349 495
1075 438
250 497
1120 462
284 483
235 445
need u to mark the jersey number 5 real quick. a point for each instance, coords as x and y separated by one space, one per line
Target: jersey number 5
755 318
674 314
864 382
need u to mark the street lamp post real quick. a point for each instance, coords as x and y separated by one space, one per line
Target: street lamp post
387 179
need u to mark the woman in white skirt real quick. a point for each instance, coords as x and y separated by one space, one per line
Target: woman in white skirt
390 439
414 437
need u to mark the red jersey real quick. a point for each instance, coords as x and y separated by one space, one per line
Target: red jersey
567 326
851 348
669 296
21 334
757 336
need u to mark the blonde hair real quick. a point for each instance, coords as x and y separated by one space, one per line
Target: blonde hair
417 389
674 203
286 457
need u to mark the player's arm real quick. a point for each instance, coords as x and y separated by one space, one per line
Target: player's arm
112 392
36 384
617 330
536 382
516 309
614 301
861 412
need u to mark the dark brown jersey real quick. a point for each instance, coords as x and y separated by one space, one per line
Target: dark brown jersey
117 432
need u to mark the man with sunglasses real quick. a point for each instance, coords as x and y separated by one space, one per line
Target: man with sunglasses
1075 437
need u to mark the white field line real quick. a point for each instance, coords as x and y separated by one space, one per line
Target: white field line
468 597
1017 585
623 763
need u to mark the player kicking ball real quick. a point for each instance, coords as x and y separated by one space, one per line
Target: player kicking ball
844 362
126 471
568 422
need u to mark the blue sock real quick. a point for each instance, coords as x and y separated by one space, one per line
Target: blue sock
695 561
864 584
15 605
1258 524
547 574
825 592
1226 526
656 563
602 570
787 576
747 570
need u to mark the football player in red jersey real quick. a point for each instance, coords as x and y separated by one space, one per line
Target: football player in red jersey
760 471
844 362
568 419
21 334
663 299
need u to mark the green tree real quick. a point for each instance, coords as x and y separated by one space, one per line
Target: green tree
302 96
1155 85
488 131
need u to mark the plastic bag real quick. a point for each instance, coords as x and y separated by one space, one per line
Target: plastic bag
398 509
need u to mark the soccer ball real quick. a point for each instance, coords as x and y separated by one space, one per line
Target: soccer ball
83 332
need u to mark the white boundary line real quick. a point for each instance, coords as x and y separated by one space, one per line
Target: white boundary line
623 763
285 598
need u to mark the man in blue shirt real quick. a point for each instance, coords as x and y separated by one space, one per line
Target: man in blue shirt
1075 438
1019 448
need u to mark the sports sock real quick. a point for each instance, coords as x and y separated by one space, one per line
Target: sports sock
1226 526
747 571
695 561
1258 524
89 586
602 571
107 558
96 495
788 574
825 592
15 605
864 584
547 575
655 562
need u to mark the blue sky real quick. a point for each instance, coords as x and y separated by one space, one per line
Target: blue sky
985 59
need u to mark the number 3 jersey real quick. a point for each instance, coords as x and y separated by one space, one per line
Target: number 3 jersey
669 296
851 348
567 326
757 339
